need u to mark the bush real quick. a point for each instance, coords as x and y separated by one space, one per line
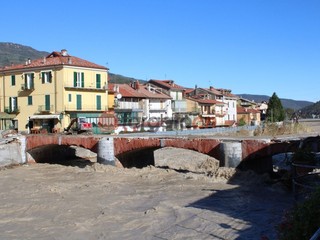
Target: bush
302 221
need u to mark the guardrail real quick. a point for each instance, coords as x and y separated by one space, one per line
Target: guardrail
305 179
204 131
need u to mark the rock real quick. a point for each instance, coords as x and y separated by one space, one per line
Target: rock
185 160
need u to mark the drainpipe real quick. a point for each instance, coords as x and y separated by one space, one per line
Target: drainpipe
3 90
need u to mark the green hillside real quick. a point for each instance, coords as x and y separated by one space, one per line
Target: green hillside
12 53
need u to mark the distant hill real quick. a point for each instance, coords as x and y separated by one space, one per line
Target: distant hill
117 78
286 103
12 53
310 111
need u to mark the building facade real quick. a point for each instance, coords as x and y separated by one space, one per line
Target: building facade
48 93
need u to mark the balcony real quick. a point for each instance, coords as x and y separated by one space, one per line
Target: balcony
70 86
85 108
15 110
45 109
129 105
220 113
27 87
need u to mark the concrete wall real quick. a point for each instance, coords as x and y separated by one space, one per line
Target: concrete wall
10 154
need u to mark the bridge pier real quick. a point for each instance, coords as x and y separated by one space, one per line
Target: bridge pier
231 153
105 154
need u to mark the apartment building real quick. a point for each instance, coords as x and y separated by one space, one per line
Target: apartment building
48 93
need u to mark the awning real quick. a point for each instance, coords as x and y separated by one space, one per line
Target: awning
45 116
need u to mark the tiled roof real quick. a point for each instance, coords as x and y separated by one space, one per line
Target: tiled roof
213 90
126 90
150 92
144 91
168 84
246 110
207 101
229 122
54 59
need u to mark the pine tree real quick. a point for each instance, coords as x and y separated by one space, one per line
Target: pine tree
275 111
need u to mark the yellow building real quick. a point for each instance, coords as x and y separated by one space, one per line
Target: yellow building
48 93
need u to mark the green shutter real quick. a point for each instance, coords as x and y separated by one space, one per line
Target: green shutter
10 104
79 102
98 102
42 76
29 100
32 81
13 80
82 79
47 102
98 81
75 79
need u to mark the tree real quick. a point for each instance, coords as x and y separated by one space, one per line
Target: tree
275 111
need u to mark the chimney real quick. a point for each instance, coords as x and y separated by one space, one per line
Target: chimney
184 93
137 85
64 52
211 88
29 61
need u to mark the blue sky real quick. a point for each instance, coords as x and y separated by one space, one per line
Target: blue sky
248 46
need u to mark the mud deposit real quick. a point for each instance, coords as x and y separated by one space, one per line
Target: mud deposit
44 201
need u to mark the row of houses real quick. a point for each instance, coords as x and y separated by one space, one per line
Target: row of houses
50 92
164 101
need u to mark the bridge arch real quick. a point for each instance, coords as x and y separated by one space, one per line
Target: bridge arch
67 155
256 154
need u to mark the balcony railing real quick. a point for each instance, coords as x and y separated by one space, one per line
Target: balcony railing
12 110
91 87
45 108
27 87
91 108
130 105
177 110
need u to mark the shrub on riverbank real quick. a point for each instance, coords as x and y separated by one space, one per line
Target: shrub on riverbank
302 221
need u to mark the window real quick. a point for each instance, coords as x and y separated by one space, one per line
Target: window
13 80
69 97
13 104
98 81
78 79
46 77
28 81
29 100
98 102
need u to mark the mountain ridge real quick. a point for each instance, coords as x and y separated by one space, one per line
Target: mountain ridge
286 103
13 53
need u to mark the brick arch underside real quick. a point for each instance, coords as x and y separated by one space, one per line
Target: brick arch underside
51 153
139 152
88 142
57 148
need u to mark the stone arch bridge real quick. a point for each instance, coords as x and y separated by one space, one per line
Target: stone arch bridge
137 151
